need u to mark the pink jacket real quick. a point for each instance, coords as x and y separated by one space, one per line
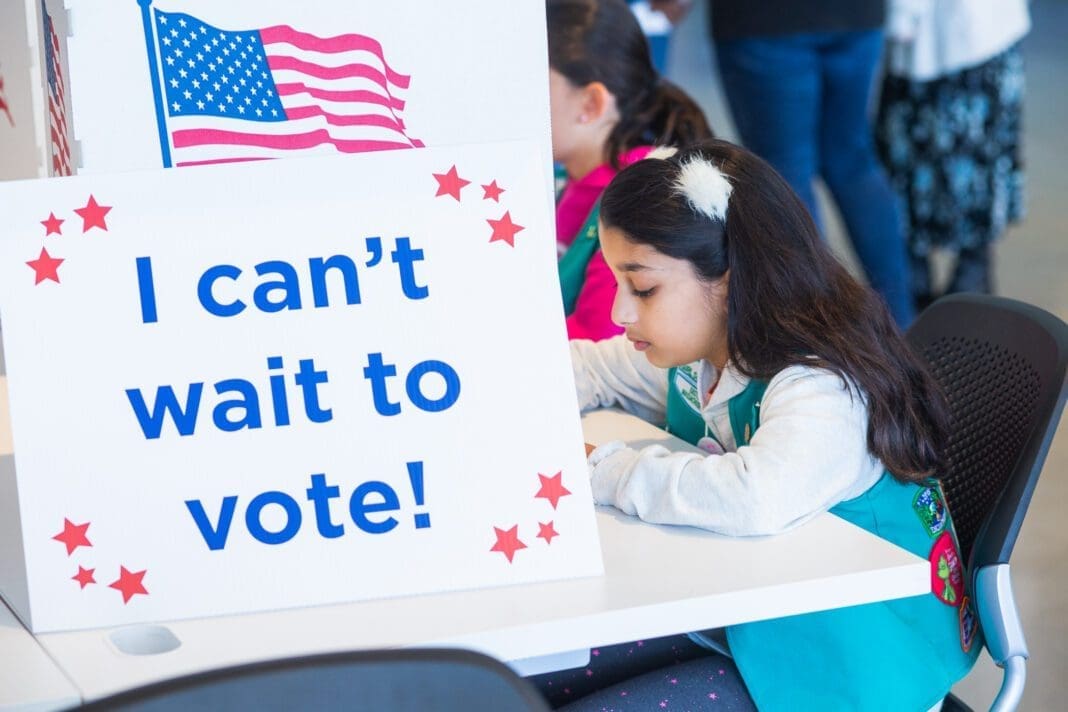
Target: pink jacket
592 317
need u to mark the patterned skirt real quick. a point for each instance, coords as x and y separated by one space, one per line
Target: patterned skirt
952 149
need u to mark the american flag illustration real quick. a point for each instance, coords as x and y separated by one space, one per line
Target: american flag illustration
272 92
57 114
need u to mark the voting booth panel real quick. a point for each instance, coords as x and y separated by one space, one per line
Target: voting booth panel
140 84
131 84
34 101
254 384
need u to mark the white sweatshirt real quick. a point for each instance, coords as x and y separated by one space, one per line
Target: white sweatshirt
809 453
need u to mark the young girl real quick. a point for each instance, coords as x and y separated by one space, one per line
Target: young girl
747 338
608 108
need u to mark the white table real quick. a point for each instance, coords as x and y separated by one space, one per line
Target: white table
29 679
658 581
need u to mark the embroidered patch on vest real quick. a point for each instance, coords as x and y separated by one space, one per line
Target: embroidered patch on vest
686 384
931 509
947 578
969 624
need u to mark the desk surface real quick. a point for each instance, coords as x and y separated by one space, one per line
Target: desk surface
658 581
29 679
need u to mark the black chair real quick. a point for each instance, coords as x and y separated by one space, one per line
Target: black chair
1002 366
430 680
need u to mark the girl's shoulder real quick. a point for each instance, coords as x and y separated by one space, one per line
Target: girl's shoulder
811 381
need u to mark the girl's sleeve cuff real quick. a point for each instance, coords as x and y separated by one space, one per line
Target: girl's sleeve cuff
608 464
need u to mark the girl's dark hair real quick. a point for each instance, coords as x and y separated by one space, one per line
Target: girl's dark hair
789 301
601 41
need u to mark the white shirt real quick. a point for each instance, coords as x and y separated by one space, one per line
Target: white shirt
809 453
932 38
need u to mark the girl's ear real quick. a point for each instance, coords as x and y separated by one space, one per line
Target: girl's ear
597 103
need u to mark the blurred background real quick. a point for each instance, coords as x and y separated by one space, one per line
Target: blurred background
1031 265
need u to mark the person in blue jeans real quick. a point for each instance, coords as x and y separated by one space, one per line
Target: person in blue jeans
799 78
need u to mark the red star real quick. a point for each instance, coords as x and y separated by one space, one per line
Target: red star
46 266
450 184
492 192
552 488
504 229
84 576
52 225
129 583
508 542
93 215
546 532
73 535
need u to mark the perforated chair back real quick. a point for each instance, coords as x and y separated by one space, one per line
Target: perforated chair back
1002 365
432 680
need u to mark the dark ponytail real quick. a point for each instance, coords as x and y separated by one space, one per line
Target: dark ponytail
790 302
601 41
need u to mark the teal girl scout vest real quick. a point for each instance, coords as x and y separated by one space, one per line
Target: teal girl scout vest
572 265
894 655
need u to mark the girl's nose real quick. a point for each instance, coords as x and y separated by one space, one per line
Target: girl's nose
623 312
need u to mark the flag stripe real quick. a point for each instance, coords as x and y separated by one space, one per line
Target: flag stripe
345 71
284 34
358 96
303 112
285 128
196 137
222 160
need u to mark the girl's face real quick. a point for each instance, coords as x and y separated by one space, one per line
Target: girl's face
670 314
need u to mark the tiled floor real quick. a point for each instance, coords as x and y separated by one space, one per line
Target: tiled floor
1032 262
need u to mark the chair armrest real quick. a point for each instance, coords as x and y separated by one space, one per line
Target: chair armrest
1000 620
997 612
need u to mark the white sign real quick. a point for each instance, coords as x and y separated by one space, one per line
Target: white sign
288 383
183 82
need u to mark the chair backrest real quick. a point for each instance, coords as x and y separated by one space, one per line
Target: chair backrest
430 680
1002 366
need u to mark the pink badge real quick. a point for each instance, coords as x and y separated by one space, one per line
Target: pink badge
947 578
710 446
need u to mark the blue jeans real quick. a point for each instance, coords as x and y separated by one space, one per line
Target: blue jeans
801 103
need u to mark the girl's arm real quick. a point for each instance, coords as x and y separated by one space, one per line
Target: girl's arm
592 316
612 373
809 453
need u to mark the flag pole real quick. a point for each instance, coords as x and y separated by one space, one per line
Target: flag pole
157 91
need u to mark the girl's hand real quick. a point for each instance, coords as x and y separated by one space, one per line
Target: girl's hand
589 449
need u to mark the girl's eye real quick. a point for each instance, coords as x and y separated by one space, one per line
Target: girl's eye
643 293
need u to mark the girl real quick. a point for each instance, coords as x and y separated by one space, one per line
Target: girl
747 338
608 108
